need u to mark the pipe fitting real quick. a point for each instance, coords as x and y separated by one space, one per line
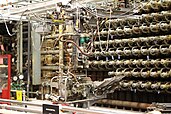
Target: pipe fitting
154 50
145 73
154 27
155 85
146 85
145 29
144 50
136 30
164 49
136 51
135 72
164 73
154 73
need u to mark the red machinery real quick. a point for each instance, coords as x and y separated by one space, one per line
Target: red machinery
5 76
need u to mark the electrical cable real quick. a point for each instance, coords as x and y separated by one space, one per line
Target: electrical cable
120 15
70 41
6 26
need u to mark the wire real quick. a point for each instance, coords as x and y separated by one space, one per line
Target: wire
6 26
120 15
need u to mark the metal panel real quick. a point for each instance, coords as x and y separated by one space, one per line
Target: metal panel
36 57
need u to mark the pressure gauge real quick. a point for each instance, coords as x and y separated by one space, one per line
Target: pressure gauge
21 77
15 78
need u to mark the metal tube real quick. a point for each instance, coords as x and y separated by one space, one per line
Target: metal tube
29 44
61 61
20 102
125 103
21 48
8 107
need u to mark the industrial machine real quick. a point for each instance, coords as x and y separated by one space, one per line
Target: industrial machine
103 53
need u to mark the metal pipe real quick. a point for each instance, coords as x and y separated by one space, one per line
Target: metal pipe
50 52
50 68
136 105
20 102
23 109
29 59
21 48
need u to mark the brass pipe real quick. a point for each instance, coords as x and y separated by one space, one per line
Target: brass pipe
156 17
119 51
154 73
127 72
50 52
131 22
155 5
136 105
154 50
145 7
145 29
136 51
127 31
145 63
155 63
166 16
136 30
165 4
154 27
145 73
136 84
146 85
164 49
128 63
136 73
155 85
120 32
166 63
119 63
127 51
144 50
164 73
137 63
118 72
164 27
126 84
165 86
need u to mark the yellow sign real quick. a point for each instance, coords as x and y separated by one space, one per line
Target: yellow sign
19 95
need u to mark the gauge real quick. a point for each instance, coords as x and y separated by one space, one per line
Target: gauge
15 78
21 77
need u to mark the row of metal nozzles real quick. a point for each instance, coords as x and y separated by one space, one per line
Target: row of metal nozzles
145 85
154 6
132 63
144 73
144 29
142 41
134 51
145 18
